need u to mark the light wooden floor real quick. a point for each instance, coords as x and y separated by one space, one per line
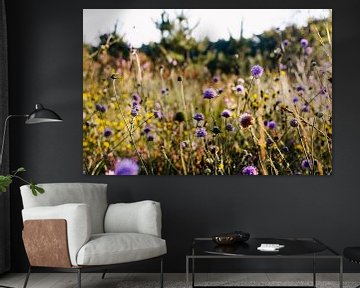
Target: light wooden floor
92 280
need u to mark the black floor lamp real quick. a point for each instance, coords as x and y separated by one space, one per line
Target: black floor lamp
39 115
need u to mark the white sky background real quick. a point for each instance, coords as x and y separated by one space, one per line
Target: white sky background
139 28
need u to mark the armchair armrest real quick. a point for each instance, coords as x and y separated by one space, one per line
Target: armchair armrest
138 217
78 225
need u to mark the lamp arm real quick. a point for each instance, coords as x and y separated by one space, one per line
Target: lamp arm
4 133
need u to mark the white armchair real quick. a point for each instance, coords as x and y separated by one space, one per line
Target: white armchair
72 228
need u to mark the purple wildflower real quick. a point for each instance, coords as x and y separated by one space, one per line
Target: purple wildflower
147 129
323 91
239 88
300 88
163 91
201 132
295 99
229 127
305 108
156 111
126 167
199 116
226 113
306 164
250 170
101 108
135 105
210 93
107 132
216 79
150 137
157 114
286 42
257 71
308 50
134 112
294 123
136 97
304 43
271 125
285 149
246 120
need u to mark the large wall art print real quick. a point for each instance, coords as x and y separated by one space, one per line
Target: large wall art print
207 92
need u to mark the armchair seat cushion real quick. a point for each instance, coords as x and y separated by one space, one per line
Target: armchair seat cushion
114 248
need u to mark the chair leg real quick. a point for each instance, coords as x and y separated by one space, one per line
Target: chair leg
27 277
161 273
103 275
79 277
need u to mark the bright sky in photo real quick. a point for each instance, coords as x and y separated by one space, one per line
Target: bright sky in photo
138 24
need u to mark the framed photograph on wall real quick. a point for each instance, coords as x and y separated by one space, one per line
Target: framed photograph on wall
207 92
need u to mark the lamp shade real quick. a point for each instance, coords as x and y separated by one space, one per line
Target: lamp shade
42 115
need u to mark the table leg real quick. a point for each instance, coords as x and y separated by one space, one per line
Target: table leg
193 272
187 272
314 271
341 273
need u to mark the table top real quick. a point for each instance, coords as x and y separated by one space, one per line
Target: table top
293 247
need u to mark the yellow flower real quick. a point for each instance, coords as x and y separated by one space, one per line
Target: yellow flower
221 166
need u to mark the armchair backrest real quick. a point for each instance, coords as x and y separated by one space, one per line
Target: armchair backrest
92 194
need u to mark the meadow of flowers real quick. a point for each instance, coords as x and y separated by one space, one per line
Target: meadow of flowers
162 116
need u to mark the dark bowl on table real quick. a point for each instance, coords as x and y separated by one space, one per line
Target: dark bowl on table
231 238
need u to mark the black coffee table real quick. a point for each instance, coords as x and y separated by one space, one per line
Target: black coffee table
295 248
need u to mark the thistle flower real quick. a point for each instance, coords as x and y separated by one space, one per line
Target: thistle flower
304 43
157 114
126 166
135 105
100 108
150 137
210 93
107 132
294 123
226 113
306 164
136 97
147 129
246 120
257 71
201 132
300 88
199 117
239 88
134 112
157 111
250 170
229 127
271 125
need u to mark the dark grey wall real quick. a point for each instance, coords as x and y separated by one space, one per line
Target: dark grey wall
45 50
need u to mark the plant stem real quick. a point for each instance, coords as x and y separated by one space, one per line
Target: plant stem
129 130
